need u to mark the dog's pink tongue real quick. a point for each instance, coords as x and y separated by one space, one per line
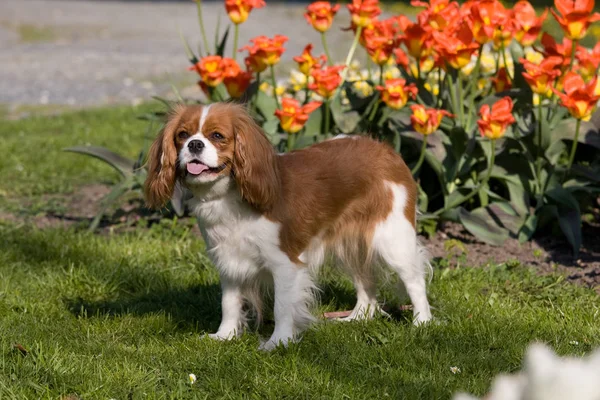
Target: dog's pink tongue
196 168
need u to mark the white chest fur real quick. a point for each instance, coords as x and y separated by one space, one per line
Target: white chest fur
239 240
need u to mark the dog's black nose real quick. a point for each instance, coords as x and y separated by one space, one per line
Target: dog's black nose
196 146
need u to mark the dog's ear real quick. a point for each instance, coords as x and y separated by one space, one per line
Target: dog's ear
162 159
255 166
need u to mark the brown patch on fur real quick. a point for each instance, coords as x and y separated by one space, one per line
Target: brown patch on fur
162 157
338 188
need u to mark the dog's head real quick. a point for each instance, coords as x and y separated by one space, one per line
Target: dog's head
201 144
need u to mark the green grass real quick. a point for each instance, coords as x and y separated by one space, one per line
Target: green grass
123 315
34 163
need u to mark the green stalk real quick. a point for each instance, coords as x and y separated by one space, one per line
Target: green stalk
326 118
326 48
538 161
201 21
291 141
255 97
573 147
461 104
374 111
505 64
573 50
236 35
478 189
473 89
274 83
421 157
381 75
350 56
439 96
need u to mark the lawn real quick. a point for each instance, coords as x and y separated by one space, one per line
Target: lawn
123 315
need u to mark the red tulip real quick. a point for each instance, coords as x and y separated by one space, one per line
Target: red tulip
306 62
501 81
575 17
326 80
364 12
579 98
589 61
456 46
265 51
540 77
426 120
238 10
396 92
528 24
320 15
209 69
495 120
292 116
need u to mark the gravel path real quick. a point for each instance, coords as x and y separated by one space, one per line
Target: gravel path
81 53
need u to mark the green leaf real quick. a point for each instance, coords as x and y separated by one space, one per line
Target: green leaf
345 121
117 191
122 165
528 229
221 46
569 221
562 198
479 223
314 123
270 126
266 105
588 134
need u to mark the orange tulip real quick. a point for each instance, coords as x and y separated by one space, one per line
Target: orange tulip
563 50
541 77
575 17
292 116
380 41
364 12
401 58
237 84
265 51
238 10
485 18
209 69
528 24
495 120
501 81
326 80
426 120
396 92
579 98
456 46
589 62
438 13
320 15
417 41
306 62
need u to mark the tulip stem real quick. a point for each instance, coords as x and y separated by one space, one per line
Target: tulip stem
350 56
201 22
291 141
255 97
538 161
236 34
274 83
573 147
505 64
326 118
373 111
479 187
381 75
326 48
421 157
573 51
461 105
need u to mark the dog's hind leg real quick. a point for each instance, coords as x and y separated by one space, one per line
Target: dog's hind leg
395 242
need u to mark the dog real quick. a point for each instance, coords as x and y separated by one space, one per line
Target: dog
271 219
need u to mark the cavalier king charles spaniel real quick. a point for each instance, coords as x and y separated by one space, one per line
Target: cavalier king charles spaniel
272 219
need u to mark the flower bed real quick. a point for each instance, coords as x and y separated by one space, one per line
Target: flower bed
490 112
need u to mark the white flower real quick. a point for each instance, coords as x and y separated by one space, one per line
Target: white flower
193 379
574 342
455 370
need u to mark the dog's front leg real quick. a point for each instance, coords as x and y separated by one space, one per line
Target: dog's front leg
293 295
232 302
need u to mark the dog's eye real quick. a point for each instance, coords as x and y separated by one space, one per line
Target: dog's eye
217 136
183 135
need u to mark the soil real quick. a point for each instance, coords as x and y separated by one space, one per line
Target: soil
547 253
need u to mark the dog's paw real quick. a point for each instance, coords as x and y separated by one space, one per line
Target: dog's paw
275 342
222 336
